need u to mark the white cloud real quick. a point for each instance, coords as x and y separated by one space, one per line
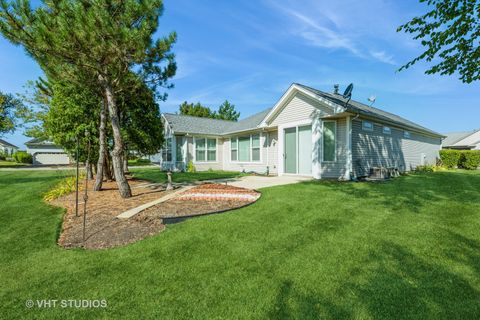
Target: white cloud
344 25
382 56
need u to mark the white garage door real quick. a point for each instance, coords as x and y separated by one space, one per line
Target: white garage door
51 158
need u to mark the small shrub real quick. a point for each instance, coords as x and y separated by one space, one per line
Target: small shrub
190 167
450 158
3 155
470 159
22 157
425 168
64 187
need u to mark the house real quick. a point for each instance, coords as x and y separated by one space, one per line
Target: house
45 152
467 140
307 132
7 148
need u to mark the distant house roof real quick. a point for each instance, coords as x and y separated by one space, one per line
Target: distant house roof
454 139
7 144
197 125
38 141
358 107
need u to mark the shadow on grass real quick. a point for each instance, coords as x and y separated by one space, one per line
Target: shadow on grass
414 191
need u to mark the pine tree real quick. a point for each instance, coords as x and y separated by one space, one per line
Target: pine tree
196 110
103 41
227 111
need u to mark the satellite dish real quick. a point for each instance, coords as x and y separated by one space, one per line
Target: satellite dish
348 92
372 99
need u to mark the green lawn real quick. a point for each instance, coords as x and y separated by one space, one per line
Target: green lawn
154 174
11 164
405 249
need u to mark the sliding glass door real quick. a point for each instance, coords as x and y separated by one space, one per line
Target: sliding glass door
298 150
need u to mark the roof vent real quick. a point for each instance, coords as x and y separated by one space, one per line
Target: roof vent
335 88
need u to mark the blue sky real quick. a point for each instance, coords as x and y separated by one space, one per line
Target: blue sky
249 52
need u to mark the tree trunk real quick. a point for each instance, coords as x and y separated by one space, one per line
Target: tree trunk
88 169
125 161
117 153
107 167
102 147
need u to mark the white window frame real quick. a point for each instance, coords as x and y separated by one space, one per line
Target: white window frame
365 128
387 130
260 147
335 144
165 149
206 149
407 134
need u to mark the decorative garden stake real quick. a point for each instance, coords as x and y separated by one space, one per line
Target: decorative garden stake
169 179
85 195
76 189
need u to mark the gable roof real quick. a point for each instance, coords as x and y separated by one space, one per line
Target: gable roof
8 144
454 137
363 109
197 125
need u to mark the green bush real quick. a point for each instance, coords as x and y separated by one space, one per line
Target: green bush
3 155
22 157
450 158
470 159
426 168
190 167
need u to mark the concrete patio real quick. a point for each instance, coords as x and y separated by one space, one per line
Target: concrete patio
257 182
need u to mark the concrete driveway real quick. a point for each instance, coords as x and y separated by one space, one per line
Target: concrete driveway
257 182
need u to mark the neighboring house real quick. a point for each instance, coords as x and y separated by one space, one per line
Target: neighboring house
46 152
7 148
307 132
468 140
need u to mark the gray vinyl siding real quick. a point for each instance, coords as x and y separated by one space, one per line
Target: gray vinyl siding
376 149
337 169
273 152
300 107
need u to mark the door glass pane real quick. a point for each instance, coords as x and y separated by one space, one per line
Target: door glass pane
244 149
290 156
329 141
234 155
305 150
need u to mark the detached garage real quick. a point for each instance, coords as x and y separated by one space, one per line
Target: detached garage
45 152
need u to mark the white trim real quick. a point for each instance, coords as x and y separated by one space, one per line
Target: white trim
194 156
335 144
260 136
281 143
349 164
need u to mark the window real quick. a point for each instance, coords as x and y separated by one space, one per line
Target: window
179 149
387 130
256 147
367 125
211 149
329 137
205 150
245 148
167 150
234 149
406 134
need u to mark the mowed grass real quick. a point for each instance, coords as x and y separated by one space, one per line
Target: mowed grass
155 174
405 249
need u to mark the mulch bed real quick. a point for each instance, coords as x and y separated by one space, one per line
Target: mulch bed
104 230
